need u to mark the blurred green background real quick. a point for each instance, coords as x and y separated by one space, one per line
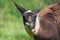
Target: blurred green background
11 24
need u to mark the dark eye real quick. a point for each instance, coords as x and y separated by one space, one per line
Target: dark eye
35 16
27 14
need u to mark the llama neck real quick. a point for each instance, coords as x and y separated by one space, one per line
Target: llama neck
37 25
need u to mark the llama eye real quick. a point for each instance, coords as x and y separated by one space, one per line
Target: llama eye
35 16
27 14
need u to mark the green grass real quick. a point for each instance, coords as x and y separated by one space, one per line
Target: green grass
11 22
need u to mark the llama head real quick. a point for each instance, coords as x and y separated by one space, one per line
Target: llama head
29 16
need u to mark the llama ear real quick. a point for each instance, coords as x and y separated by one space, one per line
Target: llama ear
36 10
20 8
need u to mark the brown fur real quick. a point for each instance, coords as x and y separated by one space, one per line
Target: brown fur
49 20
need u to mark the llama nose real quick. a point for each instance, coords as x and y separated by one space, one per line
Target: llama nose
33 30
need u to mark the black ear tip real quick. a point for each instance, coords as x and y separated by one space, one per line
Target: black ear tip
20 8
14 2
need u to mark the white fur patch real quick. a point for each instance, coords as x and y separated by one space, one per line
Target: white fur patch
27 23
28 11
37 25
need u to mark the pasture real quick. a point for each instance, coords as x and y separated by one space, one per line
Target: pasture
11 22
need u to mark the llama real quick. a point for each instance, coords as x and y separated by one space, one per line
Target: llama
29 18
45 24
